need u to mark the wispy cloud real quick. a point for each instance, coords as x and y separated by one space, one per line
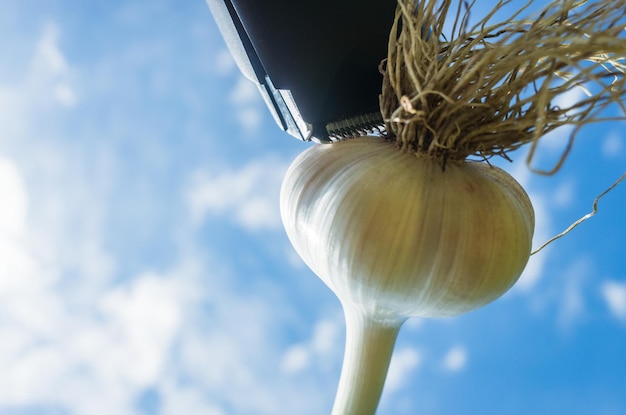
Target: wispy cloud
613 145
455 359
614 294
89 356
224 63
248 195
187 333
13 208
321 350
563 195
244 92
84 336
246 102
543 225
49 68
297 358
403 364
44 85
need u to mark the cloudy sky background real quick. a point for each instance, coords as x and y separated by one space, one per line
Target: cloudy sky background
144 269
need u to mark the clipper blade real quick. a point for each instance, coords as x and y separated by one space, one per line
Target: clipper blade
370 123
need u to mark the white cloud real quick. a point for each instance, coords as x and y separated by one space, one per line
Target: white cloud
413 324
14 200
46 84
246 101
552 146
320 351
571 298
536 263
187 400
49 60
326 337
614 294
456 359
296 359
570 98
94 359
244 92
563 195
81 335
23 278
250 118
224 62
403 363
65 95
293 259
146 313
542 200
188 333
234 353
613 145
50 71
249 196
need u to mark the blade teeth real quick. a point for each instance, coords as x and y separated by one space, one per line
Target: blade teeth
356 126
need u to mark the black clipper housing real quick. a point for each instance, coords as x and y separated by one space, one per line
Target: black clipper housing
316 63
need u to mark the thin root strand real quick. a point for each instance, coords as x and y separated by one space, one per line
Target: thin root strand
584 218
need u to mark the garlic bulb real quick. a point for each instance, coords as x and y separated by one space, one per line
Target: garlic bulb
395 236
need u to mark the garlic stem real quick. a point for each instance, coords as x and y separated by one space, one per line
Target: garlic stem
369 346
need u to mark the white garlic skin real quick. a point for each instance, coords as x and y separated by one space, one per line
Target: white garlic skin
395 236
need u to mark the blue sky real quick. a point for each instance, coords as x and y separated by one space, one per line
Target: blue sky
144 269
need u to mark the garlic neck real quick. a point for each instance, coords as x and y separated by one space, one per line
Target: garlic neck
369 346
